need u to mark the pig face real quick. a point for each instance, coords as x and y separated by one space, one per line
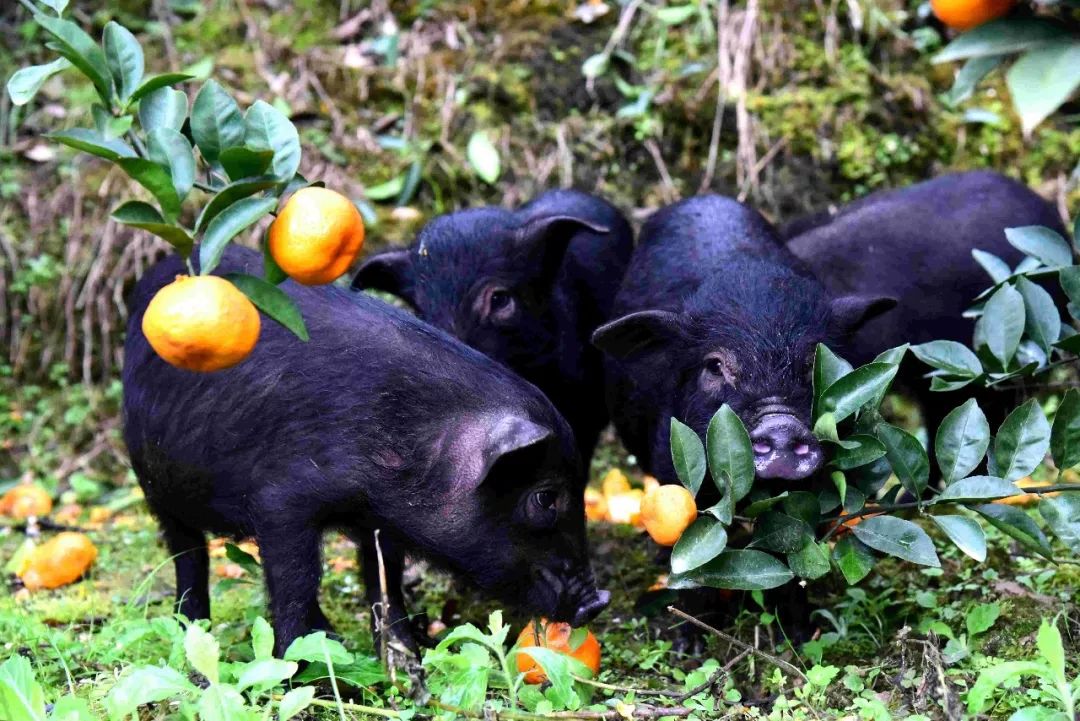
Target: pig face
485 277
512 519
746 339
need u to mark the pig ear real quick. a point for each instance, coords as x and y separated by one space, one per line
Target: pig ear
638 333
484 441
850 312
543 241
390 272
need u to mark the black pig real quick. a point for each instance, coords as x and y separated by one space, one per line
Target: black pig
914 244
379 422
714 309
525 287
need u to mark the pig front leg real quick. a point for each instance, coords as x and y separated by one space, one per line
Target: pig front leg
292 566
192 561
397 617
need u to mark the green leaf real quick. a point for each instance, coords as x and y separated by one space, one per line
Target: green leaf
315 647
854 559
295 701
828 368
202 651
221 703
21 696
996 675
899 538
81 50
241 162
687 455
58 6
962 440
264 673
950 356
262 638
268 129
146 217
156 179
1002 324
1065 433
385 191
156 83
72 708
781 533
906 456
1022 441
241 558
743 570
26 82
850 393
1052 650
272 301
226 225
231 193
978 488
124 56
1042 321
272 272
967 79
756 508
595 65
163 108
146 684
172 150
730 453
1070 283
363 672
483 157
703 541
676 14
108 125
1042 80
560 670
998 270
1041 243
1001 37
866 449
1062 515
216 122
91 141
965 533
1017 524
812 562
981 618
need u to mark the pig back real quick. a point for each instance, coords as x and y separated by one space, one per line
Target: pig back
353 405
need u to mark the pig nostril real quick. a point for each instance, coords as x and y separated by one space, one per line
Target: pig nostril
762 448
802 449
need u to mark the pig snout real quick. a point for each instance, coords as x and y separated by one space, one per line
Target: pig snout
784 448
573 597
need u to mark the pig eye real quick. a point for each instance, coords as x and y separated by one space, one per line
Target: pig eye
498 304
500 299
546 500
715 367
543 508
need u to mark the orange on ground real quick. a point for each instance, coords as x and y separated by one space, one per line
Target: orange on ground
1027 499
614 482
966 14
58 562
667 511
201 323
25 500
595 505
316 236
555 636
626 507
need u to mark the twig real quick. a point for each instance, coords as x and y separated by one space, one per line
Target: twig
740 644
721 97
384 612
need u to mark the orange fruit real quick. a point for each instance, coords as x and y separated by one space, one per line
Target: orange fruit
626 507
25 500
555 636
614 482
649 483
667 511
966 14
595 505
316 236
58 562
850 523
201 323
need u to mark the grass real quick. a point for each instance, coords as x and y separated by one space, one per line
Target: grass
84 636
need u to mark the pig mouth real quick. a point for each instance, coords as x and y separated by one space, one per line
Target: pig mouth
573 599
